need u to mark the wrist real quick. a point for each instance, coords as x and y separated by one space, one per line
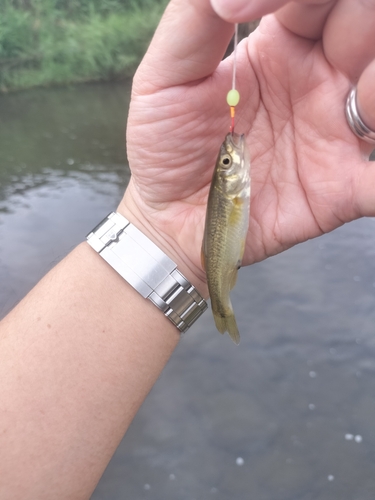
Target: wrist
133 211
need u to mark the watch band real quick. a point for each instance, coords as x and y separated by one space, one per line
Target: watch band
147 269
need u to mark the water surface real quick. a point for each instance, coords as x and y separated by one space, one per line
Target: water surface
288 415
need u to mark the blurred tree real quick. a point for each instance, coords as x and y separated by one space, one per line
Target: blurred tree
43 42
75 7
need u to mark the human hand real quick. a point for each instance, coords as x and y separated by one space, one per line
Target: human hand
310 173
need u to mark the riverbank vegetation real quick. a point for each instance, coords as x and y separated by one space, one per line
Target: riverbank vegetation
45 42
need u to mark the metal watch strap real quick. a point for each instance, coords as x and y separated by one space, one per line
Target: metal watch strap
147 269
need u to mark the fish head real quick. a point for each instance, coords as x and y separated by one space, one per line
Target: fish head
233 163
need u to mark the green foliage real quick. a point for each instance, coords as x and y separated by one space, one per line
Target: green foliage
74 8
16 33
44 42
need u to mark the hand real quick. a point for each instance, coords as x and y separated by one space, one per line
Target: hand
310 173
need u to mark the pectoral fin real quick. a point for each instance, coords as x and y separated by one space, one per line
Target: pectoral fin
242 251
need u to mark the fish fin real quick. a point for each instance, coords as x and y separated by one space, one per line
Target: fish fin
243 245
203 260
233 329
220 322
228 324
233 278
235 213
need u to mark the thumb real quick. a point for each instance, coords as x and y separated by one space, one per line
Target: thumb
188 45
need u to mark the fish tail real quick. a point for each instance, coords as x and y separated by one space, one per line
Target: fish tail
228 324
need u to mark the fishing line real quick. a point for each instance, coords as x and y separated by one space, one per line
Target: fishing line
235 56
233 96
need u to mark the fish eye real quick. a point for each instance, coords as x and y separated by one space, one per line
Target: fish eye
226 160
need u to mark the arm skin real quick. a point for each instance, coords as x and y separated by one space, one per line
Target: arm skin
78 356
80 353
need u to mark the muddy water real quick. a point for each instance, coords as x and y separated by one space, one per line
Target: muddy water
288 415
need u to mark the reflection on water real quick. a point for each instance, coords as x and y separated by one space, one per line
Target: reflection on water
286 416
62 166
61 129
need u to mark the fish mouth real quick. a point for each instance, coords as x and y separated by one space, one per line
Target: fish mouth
237 141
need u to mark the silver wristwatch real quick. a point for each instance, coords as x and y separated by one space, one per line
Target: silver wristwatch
147 269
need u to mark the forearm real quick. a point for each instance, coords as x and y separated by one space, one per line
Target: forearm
77 358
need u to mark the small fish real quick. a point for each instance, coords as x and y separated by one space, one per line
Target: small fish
227 222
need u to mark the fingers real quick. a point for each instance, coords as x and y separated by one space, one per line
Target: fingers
240 11
303 17
349 36
191 38
365 174
306 19
188 45
366 96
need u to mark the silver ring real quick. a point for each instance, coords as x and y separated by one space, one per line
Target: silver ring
355 121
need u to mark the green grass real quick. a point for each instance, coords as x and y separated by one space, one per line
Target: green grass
41 44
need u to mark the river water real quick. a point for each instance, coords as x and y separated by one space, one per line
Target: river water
288 415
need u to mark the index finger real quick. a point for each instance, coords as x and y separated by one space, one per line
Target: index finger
188 45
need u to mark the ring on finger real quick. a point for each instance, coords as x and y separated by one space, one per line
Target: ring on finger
358 127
